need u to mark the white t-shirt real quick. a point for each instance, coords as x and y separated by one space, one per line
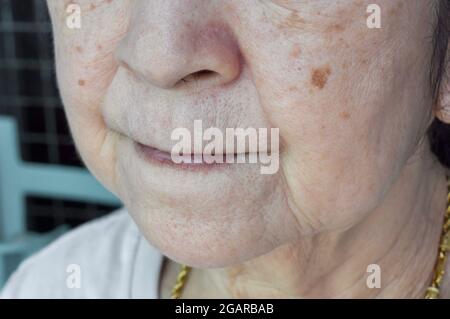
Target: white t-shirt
106 258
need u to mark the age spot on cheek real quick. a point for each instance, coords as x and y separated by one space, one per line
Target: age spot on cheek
93 6
292 88
295 52
335 28
344 115
81 82
294 20
319 76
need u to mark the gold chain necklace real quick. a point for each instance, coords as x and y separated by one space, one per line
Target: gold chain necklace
432 291
444 247
181 281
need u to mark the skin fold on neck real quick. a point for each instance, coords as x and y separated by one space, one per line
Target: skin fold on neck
401 236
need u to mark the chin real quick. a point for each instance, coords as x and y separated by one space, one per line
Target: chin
194 241
208 233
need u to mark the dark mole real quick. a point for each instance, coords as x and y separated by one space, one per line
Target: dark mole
319 77
81 82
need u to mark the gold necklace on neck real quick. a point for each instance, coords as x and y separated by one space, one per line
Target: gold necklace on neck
444 246
432 291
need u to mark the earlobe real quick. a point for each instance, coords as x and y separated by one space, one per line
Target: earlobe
443 102
442 108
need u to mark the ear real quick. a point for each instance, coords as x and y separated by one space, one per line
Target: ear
443 104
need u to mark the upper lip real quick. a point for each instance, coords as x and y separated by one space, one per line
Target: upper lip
152 146
163 142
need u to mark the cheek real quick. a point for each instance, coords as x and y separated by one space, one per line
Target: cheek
85 59
337 103
82 89
85 69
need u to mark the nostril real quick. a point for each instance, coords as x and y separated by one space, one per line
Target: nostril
204 73
200 75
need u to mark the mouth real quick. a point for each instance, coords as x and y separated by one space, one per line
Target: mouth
192 162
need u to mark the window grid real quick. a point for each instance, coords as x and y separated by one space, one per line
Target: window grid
28 93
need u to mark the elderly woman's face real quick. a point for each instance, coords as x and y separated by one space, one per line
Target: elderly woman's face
351 104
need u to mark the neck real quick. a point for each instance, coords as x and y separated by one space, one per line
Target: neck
401 236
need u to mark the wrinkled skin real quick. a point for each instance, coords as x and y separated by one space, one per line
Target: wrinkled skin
352 105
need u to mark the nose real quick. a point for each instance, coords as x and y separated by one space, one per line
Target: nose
170 43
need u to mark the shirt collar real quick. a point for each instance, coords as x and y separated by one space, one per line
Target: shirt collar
147 271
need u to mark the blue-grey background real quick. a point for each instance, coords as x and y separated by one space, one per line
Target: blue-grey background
28 92
44 188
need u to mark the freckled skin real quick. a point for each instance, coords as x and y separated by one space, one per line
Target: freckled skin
350 104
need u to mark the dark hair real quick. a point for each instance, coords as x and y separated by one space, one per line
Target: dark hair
439 132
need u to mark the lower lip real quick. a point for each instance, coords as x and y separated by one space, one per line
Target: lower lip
156 156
